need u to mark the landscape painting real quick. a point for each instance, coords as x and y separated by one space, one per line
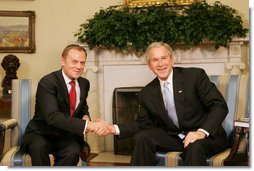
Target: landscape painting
17 31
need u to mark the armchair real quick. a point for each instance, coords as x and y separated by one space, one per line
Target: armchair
235 89
22 110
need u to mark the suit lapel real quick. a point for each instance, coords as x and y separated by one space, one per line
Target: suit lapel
178 86
63 88
158 102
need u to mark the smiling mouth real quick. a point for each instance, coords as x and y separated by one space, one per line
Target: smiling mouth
77 72
161 69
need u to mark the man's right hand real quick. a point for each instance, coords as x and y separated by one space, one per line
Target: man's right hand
98 126
111 129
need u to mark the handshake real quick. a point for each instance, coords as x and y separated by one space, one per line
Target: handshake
99 126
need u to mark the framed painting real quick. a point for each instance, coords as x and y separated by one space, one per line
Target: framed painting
140 3
17 31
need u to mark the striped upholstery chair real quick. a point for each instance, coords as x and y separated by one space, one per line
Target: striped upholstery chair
235 89
22 110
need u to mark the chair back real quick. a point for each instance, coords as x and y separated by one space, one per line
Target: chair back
235 90
22 107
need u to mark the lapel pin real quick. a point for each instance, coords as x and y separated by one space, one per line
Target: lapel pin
180 91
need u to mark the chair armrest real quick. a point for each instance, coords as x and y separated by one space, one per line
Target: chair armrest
9 124
85 152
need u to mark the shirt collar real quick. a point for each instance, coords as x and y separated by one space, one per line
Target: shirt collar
170 79
67 79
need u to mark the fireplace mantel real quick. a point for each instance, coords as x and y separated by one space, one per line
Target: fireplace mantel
110 69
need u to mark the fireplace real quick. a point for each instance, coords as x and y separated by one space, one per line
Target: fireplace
125 106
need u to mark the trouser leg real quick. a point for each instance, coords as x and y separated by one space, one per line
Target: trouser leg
148 142
39 149
197 153
67 153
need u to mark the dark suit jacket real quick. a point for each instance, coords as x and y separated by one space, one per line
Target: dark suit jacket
198 104
52 111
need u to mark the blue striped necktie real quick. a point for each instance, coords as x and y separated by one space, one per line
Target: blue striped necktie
170 104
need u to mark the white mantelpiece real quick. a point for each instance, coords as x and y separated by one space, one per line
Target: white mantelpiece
109 69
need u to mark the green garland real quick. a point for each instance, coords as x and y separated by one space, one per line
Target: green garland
132 29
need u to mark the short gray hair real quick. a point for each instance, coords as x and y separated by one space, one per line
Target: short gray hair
155 45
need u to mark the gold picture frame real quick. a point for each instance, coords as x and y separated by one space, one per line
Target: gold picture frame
17 31
140 3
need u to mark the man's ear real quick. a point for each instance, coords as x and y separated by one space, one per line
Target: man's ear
62 61
148 64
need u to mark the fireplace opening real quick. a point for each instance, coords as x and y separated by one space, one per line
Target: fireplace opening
125 107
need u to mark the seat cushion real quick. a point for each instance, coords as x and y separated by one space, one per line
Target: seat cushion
174 159
16 157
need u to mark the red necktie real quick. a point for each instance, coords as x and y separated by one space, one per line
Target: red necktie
72 97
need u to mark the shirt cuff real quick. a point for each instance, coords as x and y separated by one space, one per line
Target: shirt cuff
84 132
117 130
204 131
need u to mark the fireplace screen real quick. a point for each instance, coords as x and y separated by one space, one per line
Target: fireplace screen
125 107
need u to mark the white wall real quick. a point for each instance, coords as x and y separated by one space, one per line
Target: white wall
55 25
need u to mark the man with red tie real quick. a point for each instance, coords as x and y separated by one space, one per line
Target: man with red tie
61 113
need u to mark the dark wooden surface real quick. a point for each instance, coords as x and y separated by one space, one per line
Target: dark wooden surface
235 157
5 106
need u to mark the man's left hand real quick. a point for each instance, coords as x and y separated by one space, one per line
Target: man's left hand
192 137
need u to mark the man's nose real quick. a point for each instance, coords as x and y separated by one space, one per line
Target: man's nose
160 62
79 65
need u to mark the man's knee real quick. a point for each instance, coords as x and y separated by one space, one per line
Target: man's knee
38 147
71 151
195 148
141 135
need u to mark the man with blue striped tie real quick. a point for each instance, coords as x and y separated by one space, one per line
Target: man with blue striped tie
180 110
